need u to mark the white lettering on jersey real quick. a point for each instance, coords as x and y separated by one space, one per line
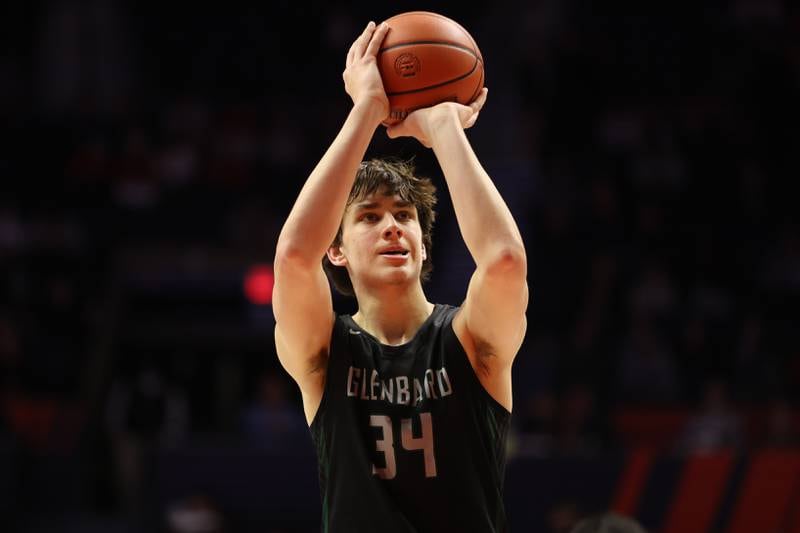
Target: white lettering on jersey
442 378
402 390
388 385
418 396
353 373
430 391
366 384
372 382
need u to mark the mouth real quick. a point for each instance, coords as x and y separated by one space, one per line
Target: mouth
394 252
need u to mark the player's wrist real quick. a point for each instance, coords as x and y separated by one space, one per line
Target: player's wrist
441 122
371 109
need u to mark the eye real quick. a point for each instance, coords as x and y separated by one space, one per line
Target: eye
402 215
370 217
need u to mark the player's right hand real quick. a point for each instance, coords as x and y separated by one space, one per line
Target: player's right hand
362 79
423 124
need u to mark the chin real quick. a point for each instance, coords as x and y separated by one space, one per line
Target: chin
395 278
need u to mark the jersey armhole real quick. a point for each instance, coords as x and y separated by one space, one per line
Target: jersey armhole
452 338
324 398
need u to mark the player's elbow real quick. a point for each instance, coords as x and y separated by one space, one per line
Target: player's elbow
508 260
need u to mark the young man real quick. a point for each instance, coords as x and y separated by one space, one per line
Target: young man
408 402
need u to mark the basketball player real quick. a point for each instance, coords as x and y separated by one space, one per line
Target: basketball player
408 402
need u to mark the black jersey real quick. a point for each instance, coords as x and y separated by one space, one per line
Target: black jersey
407 438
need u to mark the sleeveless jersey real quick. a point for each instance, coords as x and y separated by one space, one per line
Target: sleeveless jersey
407 438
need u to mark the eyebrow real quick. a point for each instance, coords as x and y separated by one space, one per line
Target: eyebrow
373 205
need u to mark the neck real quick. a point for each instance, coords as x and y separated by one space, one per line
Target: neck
394 315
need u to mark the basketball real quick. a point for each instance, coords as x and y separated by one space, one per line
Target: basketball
425 59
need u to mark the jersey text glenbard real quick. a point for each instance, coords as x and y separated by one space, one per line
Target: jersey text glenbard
366 384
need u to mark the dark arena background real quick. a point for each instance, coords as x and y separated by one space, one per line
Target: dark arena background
151 151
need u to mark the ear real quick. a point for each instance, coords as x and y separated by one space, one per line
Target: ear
336 257
424 253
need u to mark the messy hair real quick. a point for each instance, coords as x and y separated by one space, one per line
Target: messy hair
390 177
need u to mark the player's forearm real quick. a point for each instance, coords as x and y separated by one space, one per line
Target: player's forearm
315 217
486 223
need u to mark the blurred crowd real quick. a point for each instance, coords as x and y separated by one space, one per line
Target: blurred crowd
650 160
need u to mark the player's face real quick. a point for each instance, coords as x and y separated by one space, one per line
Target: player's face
382 240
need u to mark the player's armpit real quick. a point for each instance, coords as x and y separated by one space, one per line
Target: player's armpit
304 319
493 313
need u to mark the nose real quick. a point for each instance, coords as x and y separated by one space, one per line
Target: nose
392 230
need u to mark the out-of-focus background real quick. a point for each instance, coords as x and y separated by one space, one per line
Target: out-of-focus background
151 150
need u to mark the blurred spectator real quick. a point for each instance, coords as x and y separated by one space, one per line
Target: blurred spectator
557 261
89 164
646 372
781 270
272 420
715 426
594 323
538 415
608 523
9 352
654 295
195 514
135 184
176 164
563 516
580 427
782 429
660 167
234 148
144 412
757 374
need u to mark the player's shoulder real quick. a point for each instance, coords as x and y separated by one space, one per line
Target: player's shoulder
446 309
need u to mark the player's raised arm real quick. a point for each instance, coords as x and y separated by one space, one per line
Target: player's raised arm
493 314
301 299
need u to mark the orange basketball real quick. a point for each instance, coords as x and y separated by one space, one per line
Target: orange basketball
426 59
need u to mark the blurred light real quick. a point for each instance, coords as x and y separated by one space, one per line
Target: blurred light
258 284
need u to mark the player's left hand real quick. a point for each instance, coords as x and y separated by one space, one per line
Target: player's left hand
423 123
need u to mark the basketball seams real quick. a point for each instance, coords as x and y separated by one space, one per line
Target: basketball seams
474 50
440 84
439 43
466 33
437 40
476 62
478 88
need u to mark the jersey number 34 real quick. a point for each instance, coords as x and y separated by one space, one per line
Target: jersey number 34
386 444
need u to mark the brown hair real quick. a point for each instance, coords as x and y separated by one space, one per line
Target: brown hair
391 176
